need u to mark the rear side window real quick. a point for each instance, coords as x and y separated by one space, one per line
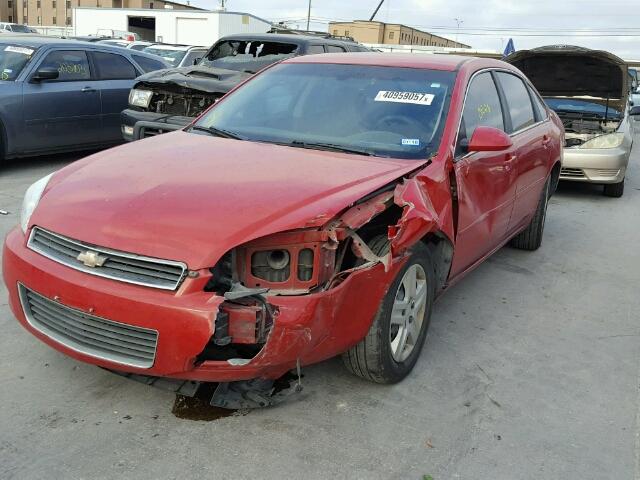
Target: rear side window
111 66
482 106
71 64
148 64
518 100
335 49
311 49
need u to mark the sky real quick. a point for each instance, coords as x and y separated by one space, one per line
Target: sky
611 25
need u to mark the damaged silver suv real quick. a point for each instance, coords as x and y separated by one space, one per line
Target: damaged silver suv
589 90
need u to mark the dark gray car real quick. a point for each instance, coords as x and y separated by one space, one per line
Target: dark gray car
63 95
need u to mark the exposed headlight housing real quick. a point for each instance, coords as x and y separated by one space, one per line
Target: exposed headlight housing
140 98
31 200
612 140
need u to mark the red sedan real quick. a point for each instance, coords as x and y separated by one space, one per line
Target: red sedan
318 209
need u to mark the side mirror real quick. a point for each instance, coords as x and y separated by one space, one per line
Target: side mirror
635 110
45 73
489 139
196 60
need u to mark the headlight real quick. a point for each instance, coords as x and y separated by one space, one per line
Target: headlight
140 98
31 199
611 140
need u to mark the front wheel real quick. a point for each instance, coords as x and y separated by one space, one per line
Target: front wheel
393 344
614 190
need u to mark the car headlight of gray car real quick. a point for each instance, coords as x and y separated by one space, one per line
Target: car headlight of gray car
140 98
31 200
611 140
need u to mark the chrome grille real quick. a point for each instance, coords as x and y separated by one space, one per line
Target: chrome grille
125 267
571 173
88 334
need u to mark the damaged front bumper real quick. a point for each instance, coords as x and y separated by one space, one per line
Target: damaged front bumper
137 124
305 328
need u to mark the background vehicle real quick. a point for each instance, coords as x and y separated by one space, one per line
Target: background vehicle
169 100
62 95
177 55
15 28
589 90
259 228
114 42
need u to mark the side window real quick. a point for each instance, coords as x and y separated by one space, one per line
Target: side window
335 49
517 96
541 111
111 66
148 64
72 64
481 108
311 49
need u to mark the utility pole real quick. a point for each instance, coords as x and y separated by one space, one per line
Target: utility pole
459 22
308 15
376 10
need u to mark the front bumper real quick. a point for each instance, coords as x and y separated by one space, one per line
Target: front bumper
307 328
595 165
137 124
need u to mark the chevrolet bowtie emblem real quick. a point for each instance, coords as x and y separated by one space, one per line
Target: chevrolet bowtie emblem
92 259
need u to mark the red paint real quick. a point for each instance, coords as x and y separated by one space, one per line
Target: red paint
193 198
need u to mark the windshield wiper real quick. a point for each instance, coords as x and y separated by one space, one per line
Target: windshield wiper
331 147
218 132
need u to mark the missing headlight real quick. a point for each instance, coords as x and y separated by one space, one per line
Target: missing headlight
271 265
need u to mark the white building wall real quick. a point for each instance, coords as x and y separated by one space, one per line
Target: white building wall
172 26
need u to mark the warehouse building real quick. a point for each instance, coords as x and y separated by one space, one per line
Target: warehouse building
371 32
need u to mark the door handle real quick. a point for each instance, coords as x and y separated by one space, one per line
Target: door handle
546 141
87 89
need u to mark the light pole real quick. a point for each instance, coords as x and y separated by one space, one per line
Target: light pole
308 15
459 22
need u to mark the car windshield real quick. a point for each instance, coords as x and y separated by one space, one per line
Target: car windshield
20 28
247 55
172 57
572 105
381 111
13 58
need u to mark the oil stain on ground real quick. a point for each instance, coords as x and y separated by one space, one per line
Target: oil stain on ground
198 407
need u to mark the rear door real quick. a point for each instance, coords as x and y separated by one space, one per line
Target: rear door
115 77
64 112
486 181
530 137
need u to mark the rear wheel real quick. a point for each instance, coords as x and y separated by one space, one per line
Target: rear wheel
531 237
393 344
614 190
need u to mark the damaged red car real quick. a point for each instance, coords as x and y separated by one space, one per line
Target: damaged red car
317 210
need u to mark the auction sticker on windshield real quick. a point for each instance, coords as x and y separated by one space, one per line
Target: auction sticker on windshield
404 97
23 50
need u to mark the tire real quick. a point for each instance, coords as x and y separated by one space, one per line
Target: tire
614 190
382 356
531 237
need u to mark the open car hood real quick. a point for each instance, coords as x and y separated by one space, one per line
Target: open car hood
564 70
204 79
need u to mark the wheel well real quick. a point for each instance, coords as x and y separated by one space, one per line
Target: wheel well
441 250
555 178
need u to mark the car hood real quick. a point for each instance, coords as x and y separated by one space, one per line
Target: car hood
192 198
204 79
563 70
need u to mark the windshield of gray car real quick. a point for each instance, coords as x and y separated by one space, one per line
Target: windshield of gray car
247 55
13 58
372 110
573 105
172 57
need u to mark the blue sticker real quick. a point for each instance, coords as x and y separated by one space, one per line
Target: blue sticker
414 142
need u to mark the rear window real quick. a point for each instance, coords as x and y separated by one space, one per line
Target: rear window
148 64
172 57
110 66
247 55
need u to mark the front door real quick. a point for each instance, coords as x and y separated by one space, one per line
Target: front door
486 181
64 112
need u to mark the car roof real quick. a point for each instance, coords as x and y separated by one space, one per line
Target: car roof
411 60
286 38
174 48
36 41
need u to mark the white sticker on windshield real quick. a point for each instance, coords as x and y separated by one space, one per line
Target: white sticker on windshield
404 97
414 142
23 50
